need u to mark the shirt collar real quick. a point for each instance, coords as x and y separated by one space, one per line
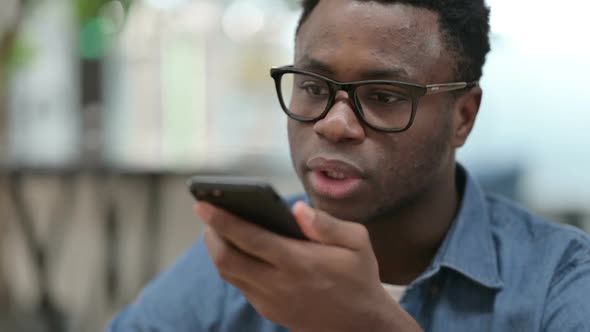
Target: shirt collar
468 247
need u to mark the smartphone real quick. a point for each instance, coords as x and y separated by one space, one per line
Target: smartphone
250 199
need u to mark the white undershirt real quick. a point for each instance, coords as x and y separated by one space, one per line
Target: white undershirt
395 291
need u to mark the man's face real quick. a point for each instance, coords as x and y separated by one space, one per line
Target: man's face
348 169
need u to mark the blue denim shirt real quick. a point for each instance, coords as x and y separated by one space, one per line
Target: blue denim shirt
498 269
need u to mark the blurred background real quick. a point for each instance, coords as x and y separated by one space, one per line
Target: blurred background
108 106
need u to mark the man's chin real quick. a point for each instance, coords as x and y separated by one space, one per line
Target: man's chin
343 209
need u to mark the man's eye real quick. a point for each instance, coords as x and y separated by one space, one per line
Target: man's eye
385 97
314 89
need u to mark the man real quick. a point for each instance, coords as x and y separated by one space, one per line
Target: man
390 204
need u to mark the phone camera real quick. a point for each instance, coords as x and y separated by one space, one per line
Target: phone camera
217 193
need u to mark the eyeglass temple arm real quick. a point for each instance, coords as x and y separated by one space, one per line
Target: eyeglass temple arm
440 88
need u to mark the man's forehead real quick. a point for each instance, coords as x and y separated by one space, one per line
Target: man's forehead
393 35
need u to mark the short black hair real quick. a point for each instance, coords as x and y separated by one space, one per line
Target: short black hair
464 24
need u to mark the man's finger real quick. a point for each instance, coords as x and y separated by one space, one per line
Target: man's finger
234 266
246 236
321 227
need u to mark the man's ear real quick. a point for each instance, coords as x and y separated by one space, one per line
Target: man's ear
466 109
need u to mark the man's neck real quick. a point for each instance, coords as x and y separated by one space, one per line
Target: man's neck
405 243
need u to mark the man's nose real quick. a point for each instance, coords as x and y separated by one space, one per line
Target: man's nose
341 123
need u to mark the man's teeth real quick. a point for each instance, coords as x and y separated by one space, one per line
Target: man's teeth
335 175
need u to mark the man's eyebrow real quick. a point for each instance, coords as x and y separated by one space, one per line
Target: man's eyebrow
315 65
312 64
392 73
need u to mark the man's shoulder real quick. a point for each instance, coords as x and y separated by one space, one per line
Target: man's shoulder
191 296
548 261
178 297
521 222
524 236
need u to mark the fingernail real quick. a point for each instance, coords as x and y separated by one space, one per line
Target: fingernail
204 211
308 213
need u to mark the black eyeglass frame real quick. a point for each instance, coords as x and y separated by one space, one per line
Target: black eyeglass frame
415 92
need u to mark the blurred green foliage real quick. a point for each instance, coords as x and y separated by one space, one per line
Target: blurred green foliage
94 35
19 54
89 9
13 51
94 40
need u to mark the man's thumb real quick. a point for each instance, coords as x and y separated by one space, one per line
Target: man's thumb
320 227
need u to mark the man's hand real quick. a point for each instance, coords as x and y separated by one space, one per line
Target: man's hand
330 283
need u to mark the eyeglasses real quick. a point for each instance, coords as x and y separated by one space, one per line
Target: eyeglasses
386 106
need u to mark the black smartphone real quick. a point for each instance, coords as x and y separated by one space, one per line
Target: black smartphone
250 199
